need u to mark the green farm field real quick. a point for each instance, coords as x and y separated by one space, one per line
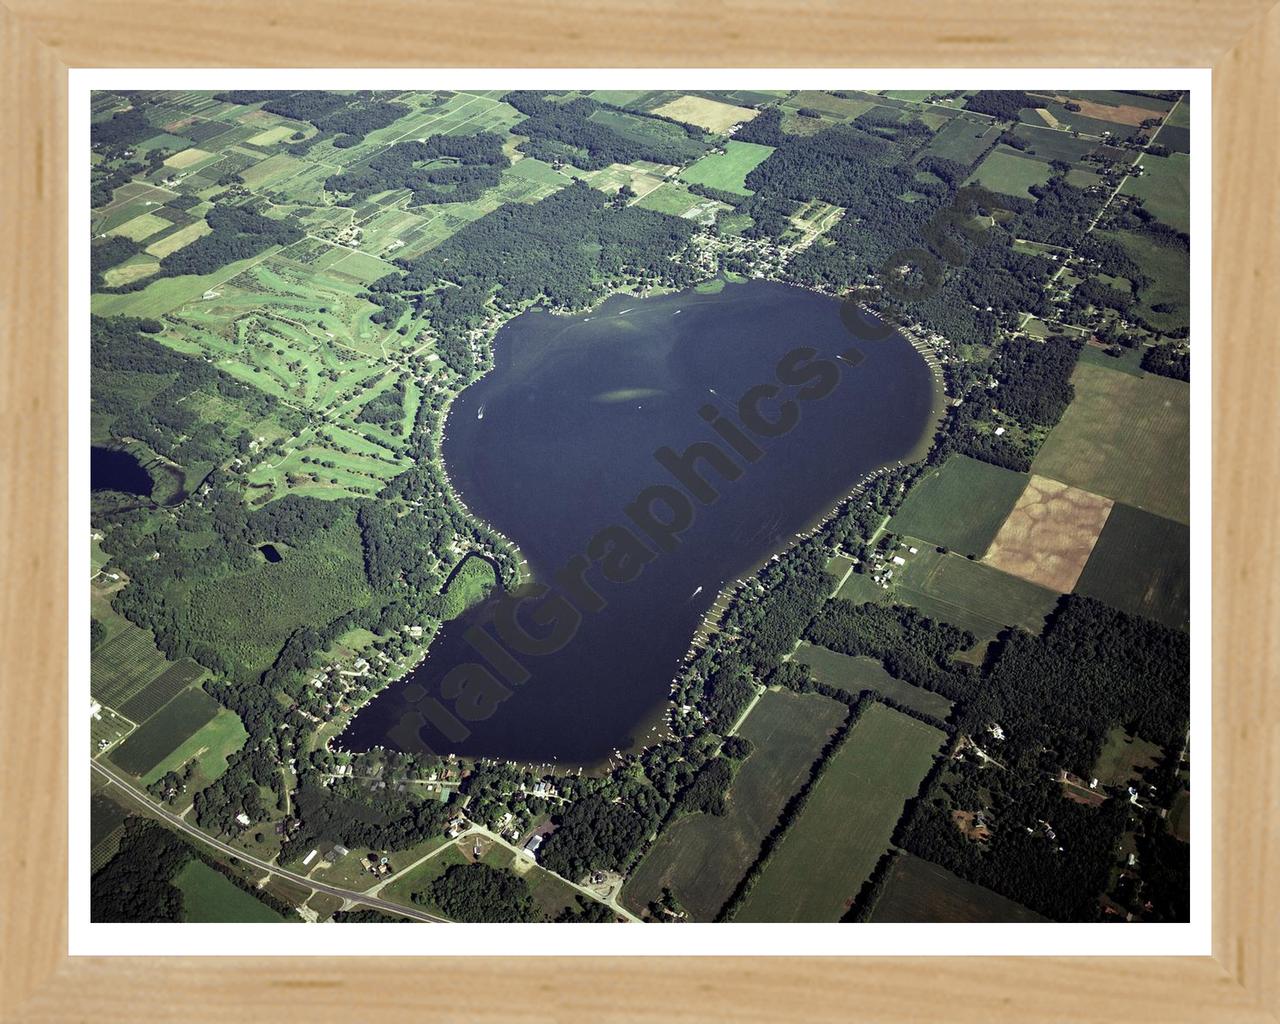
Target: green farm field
208 897
727 171
157 693
972 595
1141 563
960 506
210 746
1127 438
816 870
147 745
963 140
702 857
1008 171
854 675
918 891
1165 188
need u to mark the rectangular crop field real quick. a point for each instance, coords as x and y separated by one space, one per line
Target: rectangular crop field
164 731
157 693
1050 534
209 897
713 115
1142 564
960 505
1126 437
702 857
918 891
727 171
816 870
972 595
142 226
854 675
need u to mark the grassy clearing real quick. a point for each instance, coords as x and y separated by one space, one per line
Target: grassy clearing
1125 437
960 505
820 864
209 897
854 675
164 731
971 595
1123 757
918 891
1008 171
1142 564
727 171
702 857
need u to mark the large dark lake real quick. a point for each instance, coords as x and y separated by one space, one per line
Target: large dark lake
555 444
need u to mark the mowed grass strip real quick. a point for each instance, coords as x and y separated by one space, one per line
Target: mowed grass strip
702 857
727 171
208 897
1126 437
854 675
972 595
959 506
918 891
820 864
1141 564
164 731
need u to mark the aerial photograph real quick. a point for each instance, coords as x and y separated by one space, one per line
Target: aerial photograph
639 507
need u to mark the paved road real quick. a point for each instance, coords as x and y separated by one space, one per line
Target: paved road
272 869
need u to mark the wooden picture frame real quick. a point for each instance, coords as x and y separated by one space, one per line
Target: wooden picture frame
41 39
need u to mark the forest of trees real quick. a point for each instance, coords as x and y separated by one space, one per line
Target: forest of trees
566 131
344 117
597 834
443 169
478 892
1004 104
